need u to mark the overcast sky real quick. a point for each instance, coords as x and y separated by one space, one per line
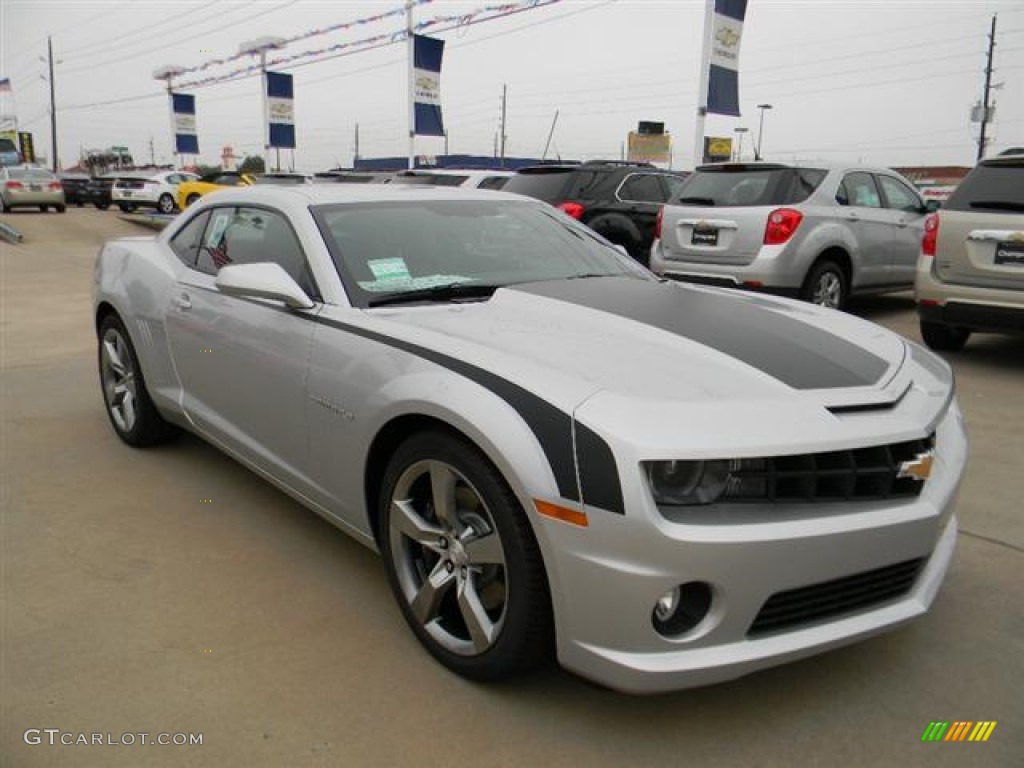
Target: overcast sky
888 83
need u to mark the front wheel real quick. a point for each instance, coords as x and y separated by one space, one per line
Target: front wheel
165 204
61 208
191 199
131 411
126 207
943 338
826 285
462 560
102 206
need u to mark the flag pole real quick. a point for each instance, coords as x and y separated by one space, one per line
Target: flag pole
702 88
411 46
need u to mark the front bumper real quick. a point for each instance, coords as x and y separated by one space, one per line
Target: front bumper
609 576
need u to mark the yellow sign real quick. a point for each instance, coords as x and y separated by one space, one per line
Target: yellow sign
649 148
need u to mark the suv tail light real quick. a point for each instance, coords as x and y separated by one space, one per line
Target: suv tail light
573 209
657 222
55 186
931 235
13 185
782 223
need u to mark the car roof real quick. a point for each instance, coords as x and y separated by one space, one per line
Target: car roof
327 194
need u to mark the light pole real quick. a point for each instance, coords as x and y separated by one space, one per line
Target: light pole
739 142
760 130
259 47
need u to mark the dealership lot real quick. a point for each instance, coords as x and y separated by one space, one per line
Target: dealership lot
171 591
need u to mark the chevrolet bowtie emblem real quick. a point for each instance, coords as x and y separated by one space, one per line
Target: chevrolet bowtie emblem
920 467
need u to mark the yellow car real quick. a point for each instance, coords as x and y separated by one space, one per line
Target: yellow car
190 191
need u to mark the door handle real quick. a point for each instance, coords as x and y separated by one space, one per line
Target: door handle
901 223
852 216
183 301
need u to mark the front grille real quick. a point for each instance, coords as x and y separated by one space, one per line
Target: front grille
795 607
860 474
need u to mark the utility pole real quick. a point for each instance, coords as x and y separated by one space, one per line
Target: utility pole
355 158
984 105
504 104
411 53
53 109
551 133
152 153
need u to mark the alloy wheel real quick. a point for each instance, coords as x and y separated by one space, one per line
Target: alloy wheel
119 384
448 557
828 291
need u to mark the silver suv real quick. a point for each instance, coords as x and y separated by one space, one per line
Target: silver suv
970 276
818 233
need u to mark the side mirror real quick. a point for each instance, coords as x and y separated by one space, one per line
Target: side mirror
931 206
265 280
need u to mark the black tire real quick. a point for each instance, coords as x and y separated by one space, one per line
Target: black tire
944 338
148 426
826 285
44 208
62 209
102 206
165 204
126 207
519 632
4 207
191 199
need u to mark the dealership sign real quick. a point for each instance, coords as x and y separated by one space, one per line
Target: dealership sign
280 111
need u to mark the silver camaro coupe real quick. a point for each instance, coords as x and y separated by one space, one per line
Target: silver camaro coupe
556 453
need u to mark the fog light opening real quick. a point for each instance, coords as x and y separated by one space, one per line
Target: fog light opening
681 608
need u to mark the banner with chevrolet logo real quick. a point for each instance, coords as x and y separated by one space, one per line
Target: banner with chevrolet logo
723 78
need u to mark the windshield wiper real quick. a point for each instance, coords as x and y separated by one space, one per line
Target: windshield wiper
998 205
696 200
445 292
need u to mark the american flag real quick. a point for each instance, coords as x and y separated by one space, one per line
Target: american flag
5 85
220 254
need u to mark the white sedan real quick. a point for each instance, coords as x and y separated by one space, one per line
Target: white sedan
556 452
158 190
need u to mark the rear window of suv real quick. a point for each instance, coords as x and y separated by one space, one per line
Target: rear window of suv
547 184
745 186
990 187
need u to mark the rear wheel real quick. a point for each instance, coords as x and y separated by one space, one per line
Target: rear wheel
44 208
826 285
131 411
462 559
126 207
944 338
165 204
4 207
61 208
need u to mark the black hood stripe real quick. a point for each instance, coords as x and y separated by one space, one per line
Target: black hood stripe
791 350
553 427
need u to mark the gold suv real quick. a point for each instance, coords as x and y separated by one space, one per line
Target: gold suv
970 274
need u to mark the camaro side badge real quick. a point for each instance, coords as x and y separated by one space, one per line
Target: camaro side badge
920 467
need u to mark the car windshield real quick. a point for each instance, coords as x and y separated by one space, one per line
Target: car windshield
742 186
387 248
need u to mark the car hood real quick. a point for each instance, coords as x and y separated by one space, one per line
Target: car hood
658 341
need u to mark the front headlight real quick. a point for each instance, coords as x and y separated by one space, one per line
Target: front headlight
686 482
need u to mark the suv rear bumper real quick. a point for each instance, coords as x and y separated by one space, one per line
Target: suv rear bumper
967 306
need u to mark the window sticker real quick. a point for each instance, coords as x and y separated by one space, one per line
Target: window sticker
218 225
411 283
385 270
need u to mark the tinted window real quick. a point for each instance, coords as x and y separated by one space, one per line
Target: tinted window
859 189
996 187
742 186
493 182
186 243
392 247
253 236
642 187
546 184
899 195
6 145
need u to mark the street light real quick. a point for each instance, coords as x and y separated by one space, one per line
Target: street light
739 142
760 130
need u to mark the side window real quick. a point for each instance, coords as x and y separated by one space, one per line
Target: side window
899 195
186 243
493 182
859 189
641 188
253 236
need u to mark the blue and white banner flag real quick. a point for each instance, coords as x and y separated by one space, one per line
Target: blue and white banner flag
427 54
280 110
723 78
183 105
